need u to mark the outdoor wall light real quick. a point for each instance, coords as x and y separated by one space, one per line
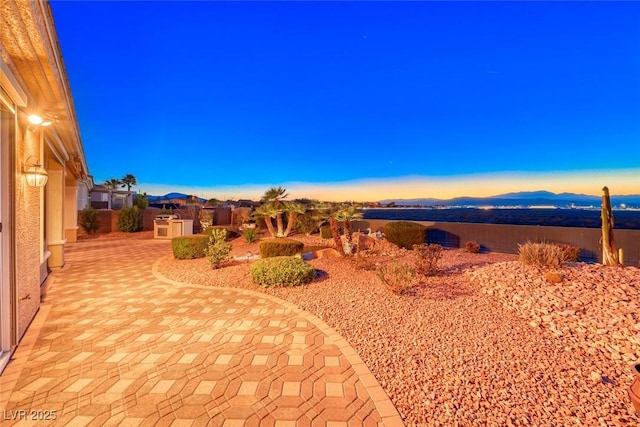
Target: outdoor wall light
35 174
37 120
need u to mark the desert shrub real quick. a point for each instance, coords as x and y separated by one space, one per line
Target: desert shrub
363 262
89 220
166 211
190 247
570 253
130 219
427 257
141 201
281 271
280 247
553 277
472 247
405 234
305 223
325 232
543 255
251 234
218 249
396 276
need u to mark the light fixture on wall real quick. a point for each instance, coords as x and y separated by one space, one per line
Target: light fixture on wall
35 174
37 120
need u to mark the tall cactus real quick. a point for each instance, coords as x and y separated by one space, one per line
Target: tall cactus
609 253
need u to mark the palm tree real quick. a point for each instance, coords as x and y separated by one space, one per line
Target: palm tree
113 183
292 209
268 211
274 197
128 180
345 216
328 212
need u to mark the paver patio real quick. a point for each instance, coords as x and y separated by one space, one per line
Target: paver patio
116 344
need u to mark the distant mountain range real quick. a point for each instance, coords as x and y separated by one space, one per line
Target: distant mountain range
524 199
169 196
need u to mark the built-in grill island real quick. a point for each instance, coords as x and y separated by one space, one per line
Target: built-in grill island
168 226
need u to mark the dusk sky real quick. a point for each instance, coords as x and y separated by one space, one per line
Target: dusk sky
357 100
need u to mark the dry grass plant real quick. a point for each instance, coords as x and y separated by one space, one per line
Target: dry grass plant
396 276
543 255
427 258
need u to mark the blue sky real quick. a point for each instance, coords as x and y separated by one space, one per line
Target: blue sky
357 100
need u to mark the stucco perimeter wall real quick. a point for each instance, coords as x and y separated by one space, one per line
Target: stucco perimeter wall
505 238
27 238
108 219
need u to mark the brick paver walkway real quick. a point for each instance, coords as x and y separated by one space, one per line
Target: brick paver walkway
115 344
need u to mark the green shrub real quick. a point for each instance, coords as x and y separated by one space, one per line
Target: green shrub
305 223
405 234
325 232
89 220
190 247
130 219
141 201
397 277
281 271
218 249
280 247
544 255
570 253
427 257
231 234
251 234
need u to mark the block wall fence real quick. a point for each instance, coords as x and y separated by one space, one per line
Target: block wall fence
505 238
491 237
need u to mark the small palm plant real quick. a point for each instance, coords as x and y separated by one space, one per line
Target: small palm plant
275 196
268 212
345 216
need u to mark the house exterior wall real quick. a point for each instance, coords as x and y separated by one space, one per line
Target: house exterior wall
84 200
35 220
27 220
71 213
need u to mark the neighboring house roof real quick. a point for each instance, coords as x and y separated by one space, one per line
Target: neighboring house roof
103 189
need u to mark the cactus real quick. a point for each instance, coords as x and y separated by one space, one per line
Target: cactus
609 254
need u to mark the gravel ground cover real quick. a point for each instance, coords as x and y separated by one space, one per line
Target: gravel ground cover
485 342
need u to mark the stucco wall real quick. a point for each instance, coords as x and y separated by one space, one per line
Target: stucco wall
28 243
505 238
